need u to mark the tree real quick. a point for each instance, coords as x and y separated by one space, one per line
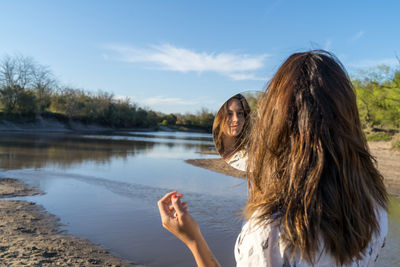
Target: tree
9 96
43 84
26 103
378 97
169 119
16 70
20 74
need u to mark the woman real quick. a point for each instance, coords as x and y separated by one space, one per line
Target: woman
230 130
315 197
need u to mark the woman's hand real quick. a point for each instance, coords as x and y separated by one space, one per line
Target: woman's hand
176 219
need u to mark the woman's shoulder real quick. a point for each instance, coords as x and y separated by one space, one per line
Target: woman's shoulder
383 220
259 244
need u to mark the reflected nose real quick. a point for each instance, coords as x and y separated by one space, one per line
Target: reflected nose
235 117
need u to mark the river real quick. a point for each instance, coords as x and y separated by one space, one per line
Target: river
105 188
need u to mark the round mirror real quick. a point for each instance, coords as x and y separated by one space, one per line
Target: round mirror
231 128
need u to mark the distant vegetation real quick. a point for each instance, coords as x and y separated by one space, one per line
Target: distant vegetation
378 100
378 97
28 89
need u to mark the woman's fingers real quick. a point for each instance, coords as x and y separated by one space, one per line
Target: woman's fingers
184 205
167 197
179 209
176 219
171 207
163 205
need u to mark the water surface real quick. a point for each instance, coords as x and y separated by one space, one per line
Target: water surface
105 188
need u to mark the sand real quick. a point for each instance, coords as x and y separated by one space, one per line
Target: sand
217 165
32 237
388 164
388 161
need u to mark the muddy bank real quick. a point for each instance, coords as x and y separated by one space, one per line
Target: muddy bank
388 164
41 124
217 165
14 188
30 236
51 125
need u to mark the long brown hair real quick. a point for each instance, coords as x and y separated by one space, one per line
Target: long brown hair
309 166
221 119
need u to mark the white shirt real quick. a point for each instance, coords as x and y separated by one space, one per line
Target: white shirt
239 160
261 246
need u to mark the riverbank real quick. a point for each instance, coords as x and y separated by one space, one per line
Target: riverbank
41 124
388 164
30 236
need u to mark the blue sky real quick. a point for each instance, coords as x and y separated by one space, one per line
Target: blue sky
180 56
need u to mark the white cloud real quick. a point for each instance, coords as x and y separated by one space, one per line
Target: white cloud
173 58
157 100
245 76
167 104
368 63
357 36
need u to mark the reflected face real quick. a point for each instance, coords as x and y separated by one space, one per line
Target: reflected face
236 118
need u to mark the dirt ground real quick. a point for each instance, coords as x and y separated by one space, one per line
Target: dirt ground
388 164
29 236
217 165
388 161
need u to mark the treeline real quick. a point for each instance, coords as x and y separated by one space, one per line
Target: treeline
378 98
28 89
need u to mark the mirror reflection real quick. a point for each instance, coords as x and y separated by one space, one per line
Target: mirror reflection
231 127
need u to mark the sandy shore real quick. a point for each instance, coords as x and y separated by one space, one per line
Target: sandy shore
387 158
388 164
50 125
32 237
217 165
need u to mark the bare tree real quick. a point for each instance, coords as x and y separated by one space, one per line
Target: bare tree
7 71
43 84
21 76
17 70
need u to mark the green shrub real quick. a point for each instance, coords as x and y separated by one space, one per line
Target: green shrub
396 142
379 136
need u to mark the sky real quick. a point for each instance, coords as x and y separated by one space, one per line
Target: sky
182 56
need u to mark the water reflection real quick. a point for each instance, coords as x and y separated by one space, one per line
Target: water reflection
104 188
20 150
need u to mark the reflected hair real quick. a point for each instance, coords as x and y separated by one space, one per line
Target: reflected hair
221 119
309 166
